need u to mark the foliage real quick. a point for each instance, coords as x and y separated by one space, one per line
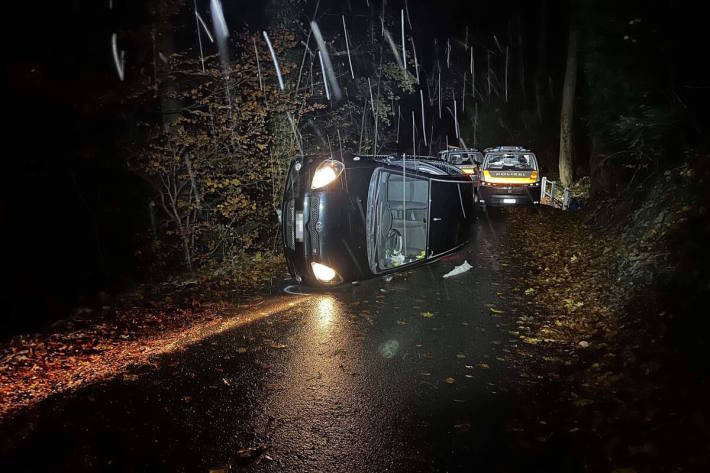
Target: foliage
630 110
146 322
642 130
217 170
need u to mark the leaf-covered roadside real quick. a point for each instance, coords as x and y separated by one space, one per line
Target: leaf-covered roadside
104 342
596 336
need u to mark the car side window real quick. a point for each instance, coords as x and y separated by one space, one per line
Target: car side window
402 209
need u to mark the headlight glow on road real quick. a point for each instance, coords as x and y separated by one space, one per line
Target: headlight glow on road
325 311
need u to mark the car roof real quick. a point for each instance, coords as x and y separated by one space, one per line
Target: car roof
393 159
459 150
446 168
503 149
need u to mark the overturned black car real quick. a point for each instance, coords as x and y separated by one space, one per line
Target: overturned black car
364 216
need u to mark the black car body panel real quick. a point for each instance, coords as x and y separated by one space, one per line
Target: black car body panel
342 224
447 228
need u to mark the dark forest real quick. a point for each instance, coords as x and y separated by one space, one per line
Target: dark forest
147 219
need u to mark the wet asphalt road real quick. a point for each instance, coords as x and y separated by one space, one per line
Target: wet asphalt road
406 375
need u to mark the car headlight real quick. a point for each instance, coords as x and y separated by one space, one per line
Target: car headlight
325 274
326 172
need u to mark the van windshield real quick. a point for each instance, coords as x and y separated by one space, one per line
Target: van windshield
397 220
462 158
511 161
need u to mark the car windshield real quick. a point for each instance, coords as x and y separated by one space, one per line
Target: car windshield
511 161
460 158
397 220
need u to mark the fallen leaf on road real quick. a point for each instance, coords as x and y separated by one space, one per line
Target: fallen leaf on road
483 365
581 402
495 311
427 315
401 322
449 380
460 356
247 455
278 346
241 350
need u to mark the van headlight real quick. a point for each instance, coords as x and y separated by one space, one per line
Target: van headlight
326 172
325 274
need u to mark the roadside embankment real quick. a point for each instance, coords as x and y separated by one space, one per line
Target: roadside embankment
609 314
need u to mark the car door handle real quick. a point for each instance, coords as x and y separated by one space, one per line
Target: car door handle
436 219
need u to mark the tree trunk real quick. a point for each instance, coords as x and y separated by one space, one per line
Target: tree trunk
188 253
166 86
566 162
541 58
521 58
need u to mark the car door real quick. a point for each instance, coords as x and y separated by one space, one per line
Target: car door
447 216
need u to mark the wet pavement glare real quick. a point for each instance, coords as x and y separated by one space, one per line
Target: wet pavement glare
401 375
